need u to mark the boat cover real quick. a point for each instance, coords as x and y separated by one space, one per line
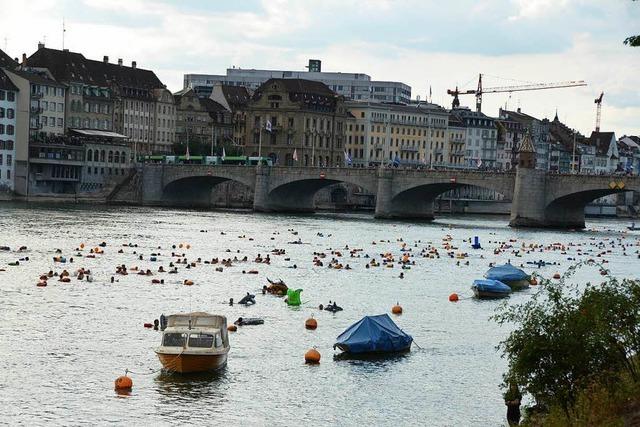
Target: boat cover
506 272
373 334
490 285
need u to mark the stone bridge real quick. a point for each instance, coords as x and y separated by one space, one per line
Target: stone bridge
538 199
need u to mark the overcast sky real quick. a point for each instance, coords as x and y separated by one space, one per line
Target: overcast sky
420 42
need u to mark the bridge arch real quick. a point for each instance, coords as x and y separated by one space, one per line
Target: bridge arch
413 196
295 189
193 185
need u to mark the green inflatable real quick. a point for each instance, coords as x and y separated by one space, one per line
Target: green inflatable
293 296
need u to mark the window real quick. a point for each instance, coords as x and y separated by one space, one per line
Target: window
10 112
174 340
90 157
201 340
11 96
2 95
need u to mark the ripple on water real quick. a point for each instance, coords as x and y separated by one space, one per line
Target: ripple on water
62 346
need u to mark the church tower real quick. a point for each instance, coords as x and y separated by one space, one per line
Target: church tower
527 153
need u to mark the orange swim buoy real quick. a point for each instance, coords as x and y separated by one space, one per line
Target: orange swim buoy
311 323
123 383
232 328
312 357
396 309
454 297
556 276
188 282
533 281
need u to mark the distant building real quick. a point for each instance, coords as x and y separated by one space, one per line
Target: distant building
457 141
538 131
404 135
354 86
481 145
234 100
510 133
8 113
113 97
201 121
306 119
607 156
6 61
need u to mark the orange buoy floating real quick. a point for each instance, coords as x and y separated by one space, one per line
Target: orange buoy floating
312 357
533 281
454 297
556 276
232 328
188 282
396 309
311 323
123 383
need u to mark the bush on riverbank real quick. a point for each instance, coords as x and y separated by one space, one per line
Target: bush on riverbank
574 350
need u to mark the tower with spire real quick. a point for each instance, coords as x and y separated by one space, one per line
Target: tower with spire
527 153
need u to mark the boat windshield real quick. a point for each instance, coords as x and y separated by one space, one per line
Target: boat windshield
202 340
174 339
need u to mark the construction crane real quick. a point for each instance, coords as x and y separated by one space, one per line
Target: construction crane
598 102
480 90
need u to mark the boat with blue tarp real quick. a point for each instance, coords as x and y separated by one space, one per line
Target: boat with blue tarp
509 275
489 289
374 335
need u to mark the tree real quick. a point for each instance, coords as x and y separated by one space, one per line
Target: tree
633 41
568 336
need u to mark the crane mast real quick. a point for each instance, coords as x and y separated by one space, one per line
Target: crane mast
598 102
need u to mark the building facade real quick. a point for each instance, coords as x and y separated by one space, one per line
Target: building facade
8 113
109 96
354 86
396 134
482 138
307 120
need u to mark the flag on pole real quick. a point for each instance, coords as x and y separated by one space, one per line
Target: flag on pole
268 126
186 156
295 155
224 154
430 93
479 162
396 161
347 158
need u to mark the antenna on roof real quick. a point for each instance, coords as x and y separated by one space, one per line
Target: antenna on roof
64 30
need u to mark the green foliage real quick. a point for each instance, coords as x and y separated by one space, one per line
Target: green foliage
633 41
568 336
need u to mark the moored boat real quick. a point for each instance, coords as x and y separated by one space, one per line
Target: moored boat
489 289
194 342
374 335
511 276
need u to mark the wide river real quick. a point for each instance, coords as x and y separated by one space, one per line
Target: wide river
62 346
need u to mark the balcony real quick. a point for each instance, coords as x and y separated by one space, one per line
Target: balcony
36 95
36 110
410 149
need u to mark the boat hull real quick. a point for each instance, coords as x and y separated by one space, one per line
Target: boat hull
517 285
489 295
190 363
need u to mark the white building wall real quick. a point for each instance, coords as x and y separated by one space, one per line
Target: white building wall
8 105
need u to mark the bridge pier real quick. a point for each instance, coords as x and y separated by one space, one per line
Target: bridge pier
529 199
261 193
384 195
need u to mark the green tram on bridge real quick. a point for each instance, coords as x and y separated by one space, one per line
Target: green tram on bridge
207 160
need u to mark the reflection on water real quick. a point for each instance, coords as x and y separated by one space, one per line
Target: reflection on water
193 385
61 347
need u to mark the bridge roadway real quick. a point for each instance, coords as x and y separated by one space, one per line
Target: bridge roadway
539 199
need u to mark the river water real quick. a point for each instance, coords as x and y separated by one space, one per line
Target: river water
61 347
